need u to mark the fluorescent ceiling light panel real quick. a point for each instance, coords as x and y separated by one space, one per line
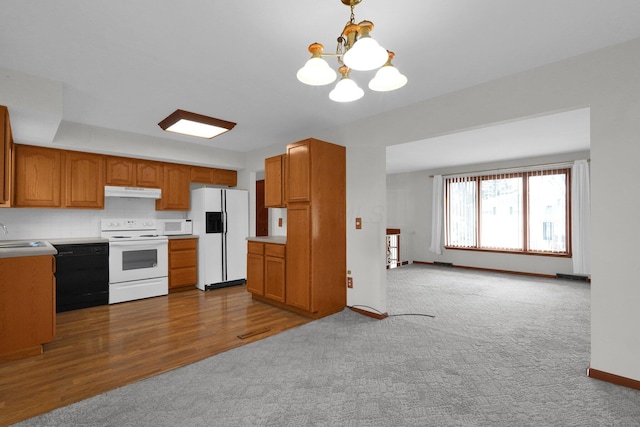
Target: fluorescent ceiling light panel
192 124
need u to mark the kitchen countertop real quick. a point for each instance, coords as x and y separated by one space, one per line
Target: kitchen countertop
77 240
183 236
49 249
280 240
46 249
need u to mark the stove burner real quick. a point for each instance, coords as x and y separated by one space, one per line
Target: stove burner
121 237
149 235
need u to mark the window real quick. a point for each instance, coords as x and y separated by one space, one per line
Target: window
524 212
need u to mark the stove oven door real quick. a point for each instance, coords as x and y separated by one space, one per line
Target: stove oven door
137 260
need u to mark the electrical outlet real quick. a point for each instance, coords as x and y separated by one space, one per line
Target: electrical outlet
349 282
279 222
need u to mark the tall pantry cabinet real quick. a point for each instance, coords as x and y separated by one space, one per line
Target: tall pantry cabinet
315 179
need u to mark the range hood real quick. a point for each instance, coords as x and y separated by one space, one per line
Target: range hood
136 192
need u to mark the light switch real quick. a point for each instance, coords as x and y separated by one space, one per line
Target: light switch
358 223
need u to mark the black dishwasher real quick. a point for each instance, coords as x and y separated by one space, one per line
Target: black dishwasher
82 275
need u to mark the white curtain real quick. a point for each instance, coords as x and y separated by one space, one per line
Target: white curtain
581 217
437 213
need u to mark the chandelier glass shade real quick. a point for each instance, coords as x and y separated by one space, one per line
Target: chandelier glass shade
356 50
365 54
316 72
346 90
387 78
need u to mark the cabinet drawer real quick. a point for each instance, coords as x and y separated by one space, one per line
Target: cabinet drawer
183 244
274 250
255 248
183 276
182 259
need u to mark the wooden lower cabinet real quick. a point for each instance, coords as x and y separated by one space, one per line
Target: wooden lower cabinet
266 270
255 268
183 263
27 305
274 271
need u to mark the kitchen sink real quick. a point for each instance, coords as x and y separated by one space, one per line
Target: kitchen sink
22 244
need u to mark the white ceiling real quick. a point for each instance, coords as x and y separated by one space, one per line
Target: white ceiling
560 133
126 65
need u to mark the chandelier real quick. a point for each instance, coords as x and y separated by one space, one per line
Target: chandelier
356 50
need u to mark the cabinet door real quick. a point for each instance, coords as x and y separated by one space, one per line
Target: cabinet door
201 175
274 278
38 176
255 273
298 272
176 181
120 171
298 172
84 178
27 306
149 174
274 182
6 147
225 177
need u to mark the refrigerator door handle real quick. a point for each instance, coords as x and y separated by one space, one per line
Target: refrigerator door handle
223 203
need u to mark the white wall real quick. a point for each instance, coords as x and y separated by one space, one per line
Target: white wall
32 223
409 208
607 81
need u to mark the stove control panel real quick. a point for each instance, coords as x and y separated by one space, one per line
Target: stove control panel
128 224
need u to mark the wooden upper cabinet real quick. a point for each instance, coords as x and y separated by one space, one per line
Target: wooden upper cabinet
274 182
120 171
127 172
6 164
84 179
203 175
225 177
176 180
298 171
149 173
38 176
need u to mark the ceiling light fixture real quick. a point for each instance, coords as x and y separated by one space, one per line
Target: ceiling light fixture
356 50
192 124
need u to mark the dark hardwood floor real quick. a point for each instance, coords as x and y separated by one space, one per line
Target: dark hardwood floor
101 348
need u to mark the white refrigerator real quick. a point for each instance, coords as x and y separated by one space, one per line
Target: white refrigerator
220 218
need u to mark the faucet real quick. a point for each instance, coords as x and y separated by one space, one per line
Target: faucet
4 228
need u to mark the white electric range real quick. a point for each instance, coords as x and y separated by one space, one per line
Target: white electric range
138 259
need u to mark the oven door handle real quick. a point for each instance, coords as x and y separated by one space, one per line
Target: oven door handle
154 243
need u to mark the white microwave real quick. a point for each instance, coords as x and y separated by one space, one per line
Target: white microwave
173 227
